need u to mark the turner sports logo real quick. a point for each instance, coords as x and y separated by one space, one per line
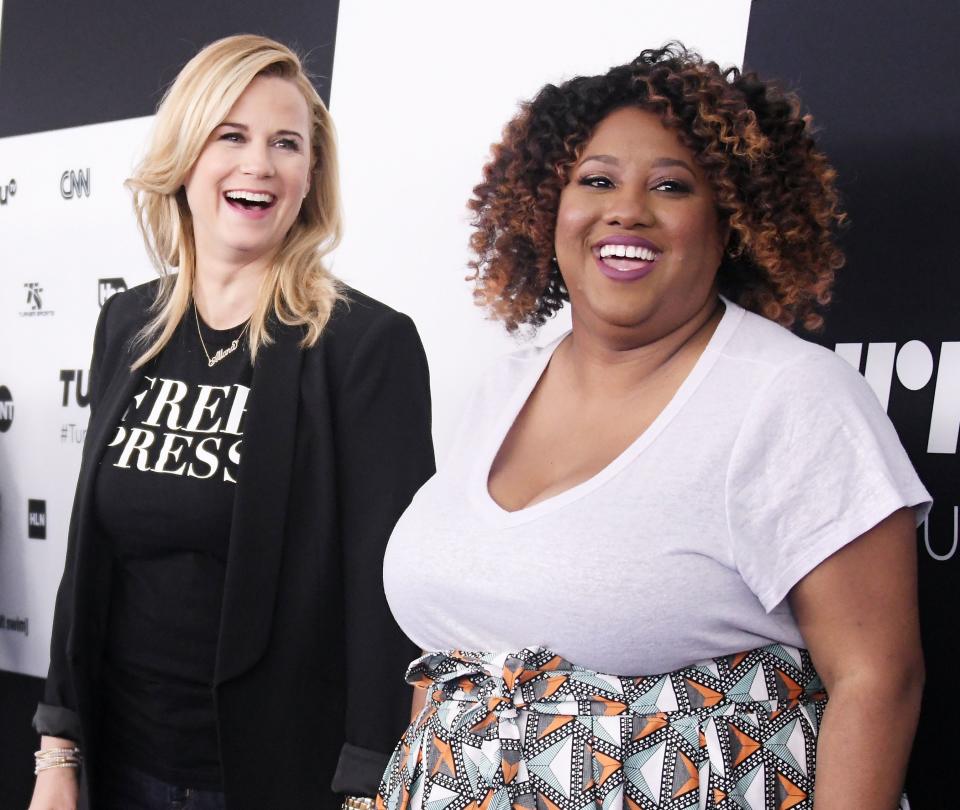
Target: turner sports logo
912 363
34 301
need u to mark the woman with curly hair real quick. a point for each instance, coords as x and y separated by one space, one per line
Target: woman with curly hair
669 535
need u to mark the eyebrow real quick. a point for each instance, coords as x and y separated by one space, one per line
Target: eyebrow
659 163
245 128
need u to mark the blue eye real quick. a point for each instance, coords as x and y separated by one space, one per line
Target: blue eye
232 137
288 143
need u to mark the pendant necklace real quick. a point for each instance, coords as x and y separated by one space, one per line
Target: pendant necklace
220 353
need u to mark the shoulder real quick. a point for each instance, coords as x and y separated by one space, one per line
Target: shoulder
127 311
774 362
358 317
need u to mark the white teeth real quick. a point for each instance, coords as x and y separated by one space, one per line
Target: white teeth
250 196
627 252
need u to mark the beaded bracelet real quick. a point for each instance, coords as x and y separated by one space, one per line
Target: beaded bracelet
50 758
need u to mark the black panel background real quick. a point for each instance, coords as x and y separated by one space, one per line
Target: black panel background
65 63
879 77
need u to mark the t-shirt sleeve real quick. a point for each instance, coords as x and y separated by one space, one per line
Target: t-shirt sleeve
816 464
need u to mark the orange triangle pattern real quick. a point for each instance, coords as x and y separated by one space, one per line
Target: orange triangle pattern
693 776
748 745
608 765
710 696
794 795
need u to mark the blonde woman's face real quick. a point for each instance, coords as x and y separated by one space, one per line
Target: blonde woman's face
246 188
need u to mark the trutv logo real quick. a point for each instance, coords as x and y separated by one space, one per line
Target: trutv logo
914 367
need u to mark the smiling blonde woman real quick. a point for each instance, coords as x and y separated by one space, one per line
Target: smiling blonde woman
221 637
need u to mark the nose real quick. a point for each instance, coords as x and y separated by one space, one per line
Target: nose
630 208
258 161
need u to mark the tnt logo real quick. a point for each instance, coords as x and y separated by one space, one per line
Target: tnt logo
34 291
6 409
36 519
74 185
108 287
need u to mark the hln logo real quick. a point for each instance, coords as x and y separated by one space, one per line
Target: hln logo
75 184
36 519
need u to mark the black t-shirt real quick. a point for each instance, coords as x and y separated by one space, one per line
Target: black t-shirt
164 499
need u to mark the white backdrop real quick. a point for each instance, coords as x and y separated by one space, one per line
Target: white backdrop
418 98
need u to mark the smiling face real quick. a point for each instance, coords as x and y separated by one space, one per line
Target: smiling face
637 239
247 185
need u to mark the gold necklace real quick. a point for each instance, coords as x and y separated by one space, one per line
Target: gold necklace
220 353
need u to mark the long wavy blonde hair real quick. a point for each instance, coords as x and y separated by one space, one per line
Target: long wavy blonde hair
298 289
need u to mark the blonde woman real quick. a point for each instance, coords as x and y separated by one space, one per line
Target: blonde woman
221 637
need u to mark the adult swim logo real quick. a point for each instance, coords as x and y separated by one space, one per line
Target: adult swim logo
6 409
109 287
36 519
34 301
75 185
7 191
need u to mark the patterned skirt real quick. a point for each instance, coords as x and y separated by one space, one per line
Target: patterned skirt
531 731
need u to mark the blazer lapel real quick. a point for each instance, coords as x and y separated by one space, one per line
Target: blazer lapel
259 510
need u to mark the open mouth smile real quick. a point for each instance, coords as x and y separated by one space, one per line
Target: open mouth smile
625 258
255 202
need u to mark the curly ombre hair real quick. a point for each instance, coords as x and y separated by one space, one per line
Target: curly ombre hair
773 188
298 289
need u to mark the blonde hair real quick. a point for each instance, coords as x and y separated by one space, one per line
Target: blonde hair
298 289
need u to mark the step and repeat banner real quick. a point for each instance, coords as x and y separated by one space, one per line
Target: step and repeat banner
419 91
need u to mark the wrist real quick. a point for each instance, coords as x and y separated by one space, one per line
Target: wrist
358 803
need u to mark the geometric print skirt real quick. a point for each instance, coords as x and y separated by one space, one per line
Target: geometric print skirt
531 731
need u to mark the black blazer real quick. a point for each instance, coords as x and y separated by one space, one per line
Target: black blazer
308 684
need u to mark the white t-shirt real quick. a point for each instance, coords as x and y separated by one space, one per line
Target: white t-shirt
773 454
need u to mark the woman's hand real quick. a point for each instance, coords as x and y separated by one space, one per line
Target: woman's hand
857 612
55 788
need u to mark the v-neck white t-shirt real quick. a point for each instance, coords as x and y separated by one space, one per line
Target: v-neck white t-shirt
772 455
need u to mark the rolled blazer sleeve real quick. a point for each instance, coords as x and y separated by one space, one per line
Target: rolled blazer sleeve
57 715
385 453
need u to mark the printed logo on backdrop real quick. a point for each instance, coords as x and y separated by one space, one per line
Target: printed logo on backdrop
7 190
36 519
109 287
34 301
75 391
15 624
914 368
6 409
75 184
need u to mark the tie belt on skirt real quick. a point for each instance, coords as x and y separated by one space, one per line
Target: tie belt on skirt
531 731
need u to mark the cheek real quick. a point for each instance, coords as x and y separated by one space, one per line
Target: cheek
572 223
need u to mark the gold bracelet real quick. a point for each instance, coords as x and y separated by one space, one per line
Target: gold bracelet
49 758
357 803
